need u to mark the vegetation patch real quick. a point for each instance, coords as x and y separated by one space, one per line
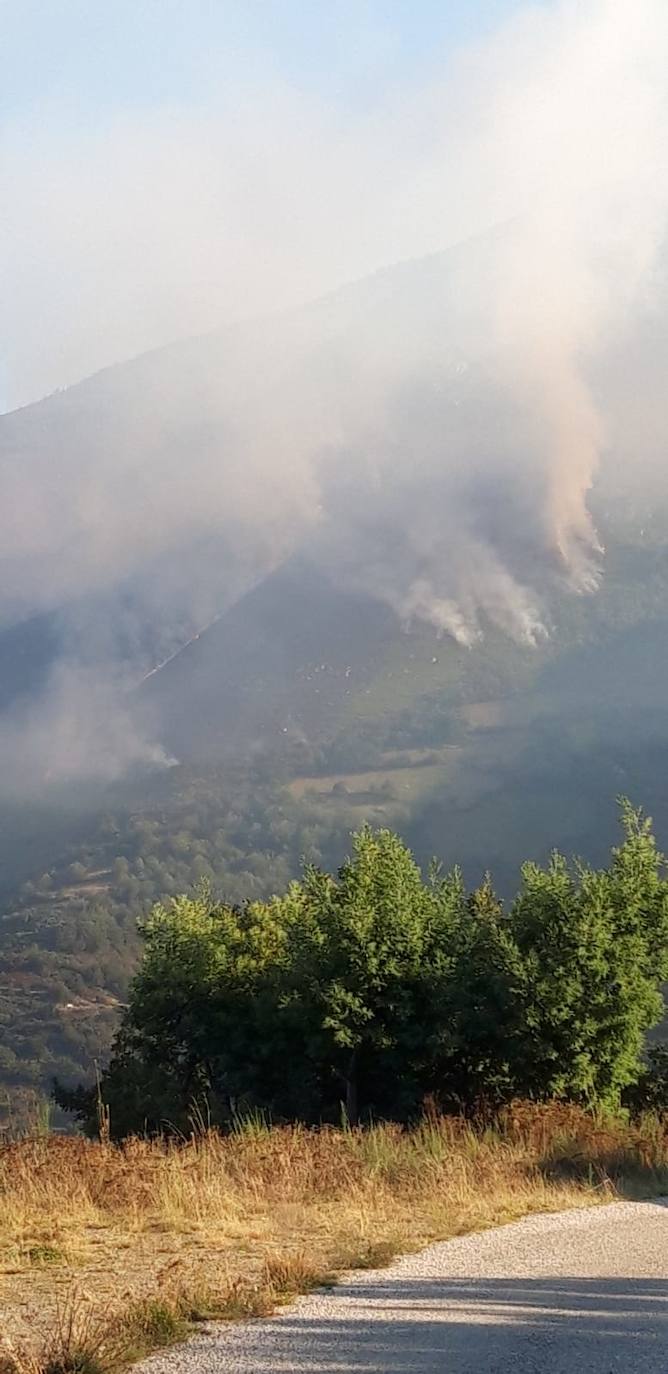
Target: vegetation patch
45 1254
362 994
385 789
170 1233
434 1062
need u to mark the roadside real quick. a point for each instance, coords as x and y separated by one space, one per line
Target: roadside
123 1249
585 1291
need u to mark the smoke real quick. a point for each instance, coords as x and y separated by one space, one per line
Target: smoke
80 727
586 255
430 434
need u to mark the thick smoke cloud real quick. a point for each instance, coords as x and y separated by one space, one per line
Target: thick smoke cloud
430 435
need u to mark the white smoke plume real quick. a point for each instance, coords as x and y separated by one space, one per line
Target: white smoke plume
79 728
430 435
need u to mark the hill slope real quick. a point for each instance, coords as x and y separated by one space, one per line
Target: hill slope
184 576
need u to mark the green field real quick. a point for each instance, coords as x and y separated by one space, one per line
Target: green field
409 777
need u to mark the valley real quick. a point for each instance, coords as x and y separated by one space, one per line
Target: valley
396 728
258 621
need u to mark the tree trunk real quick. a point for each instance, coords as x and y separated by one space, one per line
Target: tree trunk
351 1090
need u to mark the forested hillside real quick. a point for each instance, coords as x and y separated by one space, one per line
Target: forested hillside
485 756
304 573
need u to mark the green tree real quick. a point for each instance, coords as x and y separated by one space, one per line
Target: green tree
332 993
487 995
193 1027
369 964
595 948
373 987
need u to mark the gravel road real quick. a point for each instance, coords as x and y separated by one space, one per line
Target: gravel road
580 1292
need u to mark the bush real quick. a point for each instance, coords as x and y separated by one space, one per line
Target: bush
364 992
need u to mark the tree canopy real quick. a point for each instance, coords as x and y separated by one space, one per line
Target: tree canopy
367 991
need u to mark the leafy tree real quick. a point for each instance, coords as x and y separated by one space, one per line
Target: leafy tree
330 993
373 987
486 1004
595 947
370 960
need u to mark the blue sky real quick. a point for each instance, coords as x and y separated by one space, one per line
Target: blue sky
90 59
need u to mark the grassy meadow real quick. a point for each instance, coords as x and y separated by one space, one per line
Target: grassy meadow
109 1251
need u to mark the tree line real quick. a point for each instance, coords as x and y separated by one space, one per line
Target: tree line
369 991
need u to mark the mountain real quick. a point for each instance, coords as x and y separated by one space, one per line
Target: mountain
143 501
382 433
263 585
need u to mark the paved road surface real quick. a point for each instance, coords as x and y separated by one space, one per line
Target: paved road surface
582 1292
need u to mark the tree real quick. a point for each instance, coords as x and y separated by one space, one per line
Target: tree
193 1025
369 962
371 988
332 993
486 1005
595 946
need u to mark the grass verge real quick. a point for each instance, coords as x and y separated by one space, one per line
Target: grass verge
109 1252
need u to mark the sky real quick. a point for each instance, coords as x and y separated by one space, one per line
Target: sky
93 98
90 59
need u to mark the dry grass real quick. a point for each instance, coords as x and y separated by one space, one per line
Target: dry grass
108 1251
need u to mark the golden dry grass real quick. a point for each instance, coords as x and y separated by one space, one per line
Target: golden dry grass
130 1242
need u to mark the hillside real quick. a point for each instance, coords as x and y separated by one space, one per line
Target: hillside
149 499
152 494
214 660
485 756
